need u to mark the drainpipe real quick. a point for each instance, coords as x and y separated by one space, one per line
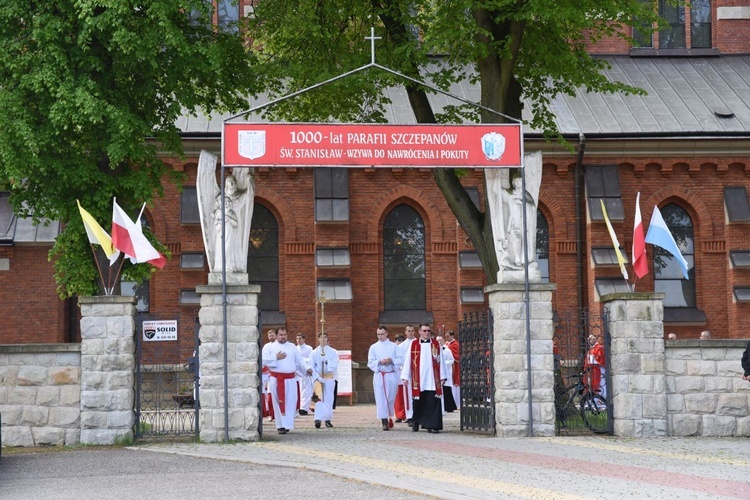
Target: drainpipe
578 174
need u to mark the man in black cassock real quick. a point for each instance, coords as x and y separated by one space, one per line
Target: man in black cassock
425 367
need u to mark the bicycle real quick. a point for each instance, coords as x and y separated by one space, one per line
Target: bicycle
578 399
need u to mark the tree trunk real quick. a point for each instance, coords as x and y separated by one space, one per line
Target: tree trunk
501 92
476 224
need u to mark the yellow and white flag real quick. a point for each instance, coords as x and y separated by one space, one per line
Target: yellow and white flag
98 236
620 257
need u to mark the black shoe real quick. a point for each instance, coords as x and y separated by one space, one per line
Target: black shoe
415 428
283 431
398 420
317 424
409 421
302 412
433 431
328 423
384 421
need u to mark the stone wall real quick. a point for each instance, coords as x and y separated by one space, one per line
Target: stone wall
677 387
40 394
107 368
241 410
706 395
636 364
511 363
688 388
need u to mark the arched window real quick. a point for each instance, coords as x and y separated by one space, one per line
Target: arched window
263 257
542 245
668 276
404 260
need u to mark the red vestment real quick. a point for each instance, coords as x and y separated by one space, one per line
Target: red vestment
267 404
454 347
592 366
415 354
265 397
399 407
281 388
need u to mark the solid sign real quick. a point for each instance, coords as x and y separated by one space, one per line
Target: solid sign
345 373
159 330
423 146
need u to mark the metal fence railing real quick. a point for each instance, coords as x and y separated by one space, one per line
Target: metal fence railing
477 381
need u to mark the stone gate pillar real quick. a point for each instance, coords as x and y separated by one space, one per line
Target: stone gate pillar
511 366
107 368
637 363
242 362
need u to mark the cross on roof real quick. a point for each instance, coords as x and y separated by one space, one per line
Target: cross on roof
372 39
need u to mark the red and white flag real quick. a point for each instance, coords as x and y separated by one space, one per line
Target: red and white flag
640 264
128 237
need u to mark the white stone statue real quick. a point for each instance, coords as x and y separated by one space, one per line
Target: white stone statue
507 203
239 196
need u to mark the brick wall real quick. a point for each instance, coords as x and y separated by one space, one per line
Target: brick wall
372 195
728 36
32 310
695 184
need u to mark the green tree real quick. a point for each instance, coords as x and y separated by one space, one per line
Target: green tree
515 49
90 91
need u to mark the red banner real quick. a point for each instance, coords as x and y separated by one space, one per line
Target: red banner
424 146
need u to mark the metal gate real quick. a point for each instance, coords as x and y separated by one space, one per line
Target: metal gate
477 381
581 380
167 398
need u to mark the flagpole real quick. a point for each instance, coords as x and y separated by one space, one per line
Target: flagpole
117 274
141 212
99 268
526 289
224 302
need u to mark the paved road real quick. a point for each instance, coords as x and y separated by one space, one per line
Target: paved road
123 474
357 458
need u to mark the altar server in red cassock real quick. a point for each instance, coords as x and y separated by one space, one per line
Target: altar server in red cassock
426 370
452 343
403 399
449 404
595 366
398 407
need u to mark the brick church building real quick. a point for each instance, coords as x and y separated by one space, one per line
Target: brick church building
385 248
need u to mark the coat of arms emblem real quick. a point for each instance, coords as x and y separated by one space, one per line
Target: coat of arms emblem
251 144
493 145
